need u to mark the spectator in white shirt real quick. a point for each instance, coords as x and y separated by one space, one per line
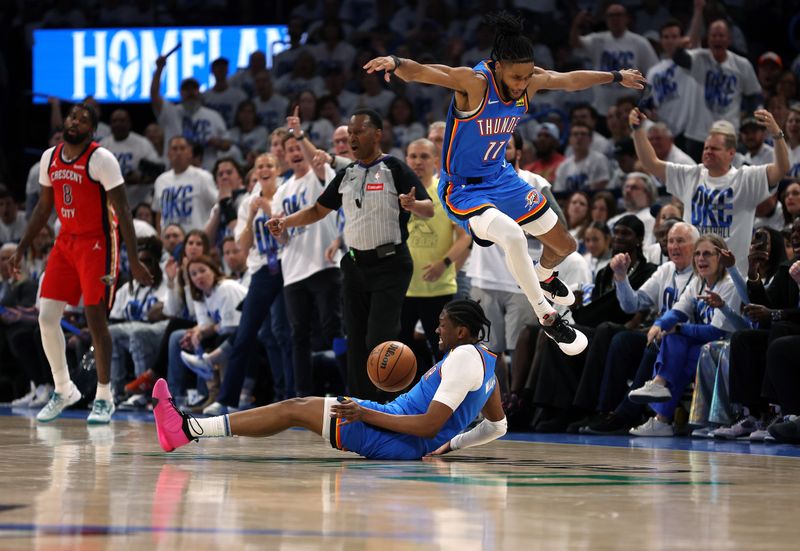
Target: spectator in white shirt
222 97
250 137
752 134
270 106
200 125
612 50
584 169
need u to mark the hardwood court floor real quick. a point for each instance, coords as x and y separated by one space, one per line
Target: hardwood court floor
69 486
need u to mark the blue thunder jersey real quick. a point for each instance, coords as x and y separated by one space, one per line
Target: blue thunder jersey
475 146
376 443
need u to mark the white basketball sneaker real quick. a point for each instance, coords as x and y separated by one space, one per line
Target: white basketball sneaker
58 403
102 410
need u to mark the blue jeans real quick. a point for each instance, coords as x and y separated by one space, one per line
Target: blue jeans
265 289
677 363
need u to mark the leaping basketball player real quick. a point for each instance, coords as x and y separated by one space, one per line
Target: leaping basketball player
426 420
84 182
478 188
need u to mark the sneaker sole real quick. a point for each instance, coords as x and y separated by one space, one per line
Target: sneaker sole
572 348
637 399
80 396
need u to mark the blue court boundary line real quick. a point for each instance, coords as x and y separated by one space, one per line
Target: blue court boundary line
103 530
677 443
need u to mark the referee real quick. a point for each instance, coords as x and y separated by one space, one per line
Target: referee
376 192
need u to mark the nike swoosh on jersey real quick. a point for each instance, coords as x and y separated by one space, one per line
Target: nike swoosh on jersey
493 102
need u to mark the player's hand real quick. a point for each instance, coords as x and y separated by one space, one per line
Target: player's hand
349 410
636 118
407 200
619 265
441 450
432 272
726 257
632 78
276 225
140 273
712 299
757 312
384 63
654 334
794 271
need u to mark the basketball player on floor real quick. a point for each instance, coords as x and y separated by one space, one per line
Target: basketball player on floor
426 420
478 188
84 182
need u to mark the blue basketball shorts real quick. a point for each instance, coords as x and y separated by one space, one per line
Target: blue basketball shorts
506 192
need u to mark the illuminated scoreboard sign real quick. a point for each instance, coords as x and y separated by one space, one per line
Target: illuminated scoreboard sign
116 65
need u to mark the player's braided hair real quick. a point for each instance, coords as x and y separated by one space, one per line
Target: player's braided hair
510 45
469 313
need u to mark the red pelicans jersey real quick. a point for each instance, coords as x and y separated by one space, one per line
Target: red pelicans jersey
80 193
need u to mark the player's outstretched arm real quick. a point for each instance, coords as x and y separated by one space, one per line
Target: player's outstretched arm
493 426
580 80
460 79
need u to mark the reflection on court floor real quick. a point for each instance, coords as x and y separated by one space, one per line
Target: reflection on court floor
69 485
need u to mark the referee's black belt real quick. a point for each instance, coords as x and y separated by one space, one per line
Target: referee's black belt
378 253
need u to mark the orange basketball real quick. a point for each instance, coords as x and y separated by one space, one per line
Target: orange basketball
391 366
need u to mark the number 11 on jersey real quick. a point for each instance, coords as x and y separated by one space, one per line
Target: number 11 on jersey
493 150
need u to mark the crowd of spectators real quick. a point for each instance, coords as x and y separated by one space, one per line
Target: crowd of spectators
684 201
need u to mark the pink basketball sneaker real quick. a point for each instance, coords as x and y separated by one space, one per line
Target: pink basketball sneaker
172 424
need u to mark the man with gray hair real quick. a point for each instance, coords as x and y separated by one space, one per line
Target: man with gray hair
638 195
718 198
661 139
629 348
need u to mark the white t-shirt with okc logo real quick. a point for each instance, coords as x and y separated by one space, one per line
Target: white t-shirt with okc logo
303 255
572 175
220 307
129 152
629 51
186 198
723 205
197 127
722 86
794 162
674 94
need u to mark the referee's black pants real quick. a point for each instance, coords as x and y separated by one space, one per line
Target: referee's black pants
373 293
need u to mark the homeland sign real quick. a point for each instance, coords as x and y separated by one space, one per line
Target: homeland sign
116 65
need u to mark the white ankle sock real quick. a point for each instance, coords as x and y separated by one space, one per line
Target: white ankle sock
543 273
104 392
210 427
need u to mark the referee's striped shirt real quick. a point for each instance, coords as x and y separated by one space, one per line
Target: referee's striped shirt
368 195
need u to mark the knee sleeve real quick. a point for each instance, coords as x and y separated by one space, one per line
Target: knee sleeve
50 312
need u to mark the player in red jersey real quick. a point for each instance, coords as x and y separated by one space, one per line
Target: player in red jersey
84 182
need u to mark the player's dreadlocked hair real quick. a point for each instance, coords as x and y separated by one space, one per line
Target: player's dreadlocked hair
510 45
469 314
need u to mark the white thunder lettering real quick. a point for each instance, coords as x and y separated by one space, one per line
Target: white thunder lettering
497 125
